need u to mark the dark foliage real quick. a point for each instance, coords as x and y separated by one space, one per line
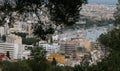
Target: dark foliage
29 41
65 11
54 62
3 38
117 14
111 39
23 35
27 5
38 54
61 11
43 32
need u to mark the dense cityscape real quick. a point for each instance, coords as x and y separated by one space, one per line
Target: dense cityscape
68 46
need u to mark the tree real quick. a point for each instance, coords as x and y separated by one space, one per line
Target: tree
44 32
38 61
78 68
14 66
38 54
29 41
65 11
111 41
28 4
6 9
60 11
54 62
117 14
24 65
23 35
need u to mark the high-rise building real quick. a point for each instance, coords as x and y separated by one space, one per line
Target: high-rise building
11 50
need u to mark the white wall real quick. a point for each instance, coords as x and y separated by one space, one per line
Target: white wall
16 49
51 48
2 31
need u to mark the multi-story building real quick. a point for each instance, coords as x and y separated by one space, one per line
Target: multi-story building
59 58
12 46
16 51
51 48
12 38
68 49
16 27
26 51
13 50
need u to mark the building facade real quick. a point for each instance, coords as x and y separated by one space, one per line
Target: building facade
13 50
59 58
51 48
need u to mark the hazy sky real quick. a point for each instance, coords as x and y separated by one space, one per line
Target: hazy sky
103 1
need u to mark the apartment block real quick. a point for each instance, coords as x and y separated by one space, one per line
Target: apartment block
13 50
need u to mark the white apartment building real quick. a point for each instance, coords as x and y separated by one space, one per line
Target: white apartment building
26 51
55 37
16 51
51 48
12 49
13 46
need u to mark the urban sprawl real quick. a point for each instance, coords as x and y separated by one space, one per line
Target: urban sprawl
68 47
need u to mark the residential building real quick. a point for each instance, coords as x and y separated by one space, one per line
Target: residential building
51 48
13 50
12 46
98 11
12 38
87 44
68 49
26 52
59 58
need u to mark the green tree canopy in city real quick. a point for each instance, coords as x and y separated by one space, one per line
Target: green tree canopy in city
111 39
38 54
117 14
65 12
54 62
